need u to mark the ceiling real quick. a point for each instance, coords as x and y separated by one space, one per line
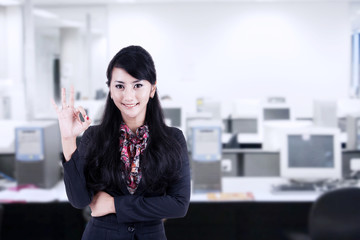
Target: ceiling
97 8
104 2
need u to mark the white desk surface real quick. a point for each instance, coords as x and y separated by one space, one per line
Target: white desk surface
13 194
260 187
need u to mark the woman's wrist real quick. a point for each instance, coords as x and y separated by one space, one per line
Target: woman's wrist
69 147
112 205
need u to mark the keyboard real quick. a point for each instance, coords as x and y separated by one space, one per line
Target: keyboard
294 188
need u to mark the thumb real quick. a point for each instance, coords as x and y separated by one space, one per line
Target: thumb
86 123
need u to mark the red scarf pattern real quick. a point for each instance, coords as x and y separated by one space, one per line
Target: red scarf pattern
131 146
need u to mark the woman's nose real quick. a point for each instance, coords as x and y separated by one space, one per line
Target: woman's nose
129 94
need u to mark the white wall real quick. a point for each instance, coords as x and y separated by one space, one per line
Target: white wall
72 59
15 62
83 46
3 52
47 49
241 50
98 62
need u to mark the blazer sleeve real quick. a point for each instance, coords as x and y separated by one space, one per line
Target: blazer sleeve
174 204
74 178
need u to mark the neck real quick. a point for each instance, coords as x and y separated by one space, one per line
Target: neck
133 124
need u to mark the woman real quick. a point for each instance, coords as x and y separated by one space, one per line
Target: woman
132 170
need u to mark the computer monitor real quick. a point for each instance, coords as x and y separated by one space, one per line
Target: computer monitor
273 131
311 154
213 107
173 116
206 141
246 118
276 113
346 107
246 125
192 119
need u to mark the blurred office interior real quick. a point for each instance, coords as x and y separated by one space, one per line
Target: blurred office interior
266 92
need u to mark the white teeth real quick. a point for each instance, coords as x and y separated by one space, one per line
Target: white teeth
130 105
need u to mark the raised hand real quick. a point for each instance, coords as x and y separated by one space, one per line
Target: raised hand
69 120
70 123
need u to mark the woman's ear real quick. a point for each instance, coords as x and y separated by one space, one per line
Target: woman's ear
153 90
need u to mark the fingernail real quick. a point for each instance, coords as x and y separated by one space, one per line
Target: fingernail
87 117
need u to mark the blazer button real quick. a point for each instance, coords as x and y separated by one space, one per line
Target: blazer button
131 228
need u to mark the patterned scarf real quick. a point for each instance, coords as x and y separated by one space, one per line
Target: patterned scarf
131 146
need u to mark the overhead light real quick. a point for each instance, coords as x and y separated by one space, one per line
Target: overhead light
126 1
9 2
44 13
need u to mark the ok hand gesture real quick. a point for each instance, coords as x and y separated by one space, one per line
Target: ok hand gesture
70 123
69 120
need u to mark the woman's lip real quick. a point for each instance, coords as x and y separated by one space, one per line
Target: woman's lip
130 105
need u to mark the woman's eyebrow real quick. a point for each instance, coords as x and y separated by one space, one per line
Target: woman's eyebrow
135 81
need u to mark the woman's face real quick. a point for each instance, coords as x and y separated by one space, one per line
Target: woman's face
130 95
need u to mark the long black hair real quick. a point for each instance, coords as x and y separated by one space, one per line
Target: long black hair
160 161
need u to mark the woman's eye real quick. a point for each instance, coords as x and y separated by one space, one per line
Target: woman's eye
138 85
119 86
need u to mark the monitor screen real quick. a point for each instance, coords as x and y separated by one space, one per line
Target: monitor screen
310 151
276 114
172 116
206 143
311 154
244 125
29 144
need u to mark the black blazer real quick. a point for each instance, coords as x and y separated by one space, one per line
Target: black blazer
141 207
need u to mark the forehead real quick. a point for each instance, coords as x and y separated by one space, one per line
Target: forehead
119 74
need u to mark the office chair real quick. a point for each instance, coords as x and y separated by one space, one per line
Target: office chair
336 215
1 218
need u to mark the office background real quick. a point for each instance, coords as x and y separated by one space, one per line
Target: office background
204 52
300 50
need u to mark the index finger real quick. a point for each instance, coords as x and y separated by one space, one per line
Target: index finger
54 105
63 97
71 103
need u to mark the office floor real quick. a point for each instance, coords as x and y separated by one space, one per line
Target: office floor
39 221
241 220
207 221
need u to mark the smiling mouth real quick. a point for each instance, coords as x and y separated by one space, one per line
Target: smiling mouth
130 105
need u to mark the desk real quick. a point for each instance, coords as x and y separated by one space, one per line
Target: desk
268 217
15 194
260 188
39 214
